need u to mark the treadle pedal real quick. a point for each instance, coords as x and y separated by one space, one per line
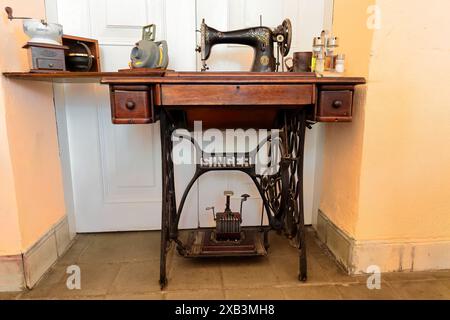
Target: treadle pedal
202 243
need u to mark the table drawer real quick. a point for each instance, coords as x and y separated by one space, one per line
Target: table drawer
245 94
131 105
51 64
335 106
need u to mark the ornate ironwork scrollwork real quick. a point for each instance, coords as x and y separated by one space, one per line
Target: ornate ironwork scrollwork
284 189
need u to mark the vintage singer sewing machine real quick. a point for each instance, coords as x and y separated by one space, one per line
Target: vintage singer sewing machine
286 103
282 102
261 39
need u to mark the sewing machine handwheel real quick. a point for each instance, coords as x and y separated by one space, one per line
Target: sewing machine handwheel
287 32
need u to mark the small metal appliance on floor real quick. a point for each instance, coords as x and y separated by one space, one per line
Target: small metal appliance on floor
228 238
228 223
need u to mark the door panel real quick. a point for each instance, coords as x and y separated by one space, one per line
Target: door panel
115 169
120 22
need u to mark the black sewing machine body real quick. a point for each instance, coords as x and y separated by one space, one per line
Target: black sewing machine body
261 39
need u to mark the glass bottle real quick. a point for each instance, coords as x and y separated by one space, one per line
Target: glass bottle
320 63
340 63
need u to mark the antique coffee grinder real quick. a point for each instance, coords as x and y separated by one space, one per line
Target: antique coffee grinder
45 51
261 39
228 223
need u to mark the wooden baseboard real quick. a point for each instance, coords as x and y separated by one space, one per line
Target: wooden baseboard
390 256
11 273
25 270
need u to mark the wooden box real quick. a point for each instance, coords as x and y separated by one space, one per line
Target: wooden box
69 41
45 57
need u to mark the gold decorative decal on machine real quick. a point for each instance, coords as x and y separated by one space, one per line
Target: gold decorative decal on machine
261 35
264 60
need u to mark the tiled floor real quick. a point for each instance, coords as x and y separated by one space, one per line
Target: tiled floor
126 266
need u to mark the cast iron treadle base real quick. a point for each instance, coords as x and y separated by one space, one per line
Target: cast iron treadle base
201 243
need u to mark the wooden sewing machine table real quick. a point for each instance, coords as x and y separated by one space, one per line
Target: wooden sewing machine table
284 102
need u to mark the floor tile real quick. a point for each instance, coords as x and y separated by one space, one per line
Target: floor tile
415 290
446 283
286 270
361 292
333 270
142 296
51 279
269 293
122 247
194 274
247 272
72 255
95 280
9 295
136 277
125 265
314 292
402 276
75 297
313 244
280 245
195 295
441 274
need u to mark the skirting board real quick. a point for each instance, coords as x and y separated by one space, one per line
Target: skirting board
25 270
390 256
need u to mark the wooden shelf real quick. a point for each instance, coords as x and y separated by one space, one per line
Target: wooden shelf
74 77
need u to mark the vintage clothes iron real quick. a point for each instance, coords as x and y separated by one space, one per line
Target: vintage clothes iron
261 39
149 53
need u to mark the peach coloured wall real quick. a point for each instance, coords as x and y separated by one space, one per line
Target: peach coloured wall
355 39
343 141
10 242
31 133
387 174
405 174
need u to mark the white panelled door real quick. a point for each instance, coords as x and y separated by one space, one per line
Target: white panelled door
116 169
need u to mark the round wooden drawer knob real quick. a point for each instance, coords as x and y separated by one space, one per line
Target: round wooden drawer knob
337 104
130 105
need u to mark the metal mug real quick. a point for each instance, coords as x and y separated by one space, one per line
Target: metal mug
301 62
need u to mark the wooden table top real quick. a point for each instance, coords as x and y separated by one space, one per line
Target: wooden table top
141 77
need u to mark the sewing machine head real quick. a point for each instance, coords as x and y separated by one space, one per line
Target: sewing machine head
261 39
